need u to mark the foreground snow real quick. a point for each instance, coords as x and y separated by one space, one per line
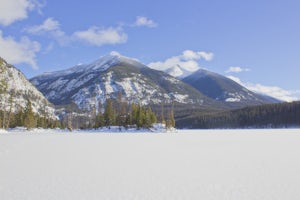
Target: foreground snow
194 164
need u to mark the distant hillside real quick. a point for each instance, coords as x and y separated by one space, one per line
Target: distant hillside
225 90
263 116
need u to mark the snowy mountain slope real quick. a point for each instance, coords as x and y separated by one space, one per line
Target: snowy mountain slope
87 85
15 89
224 89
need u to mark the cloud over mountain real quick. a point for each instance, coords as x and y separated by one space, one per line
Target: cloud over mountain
273 91
237 70
188 61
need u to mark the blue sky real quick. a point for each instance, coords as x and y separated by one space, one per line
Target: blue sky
256 43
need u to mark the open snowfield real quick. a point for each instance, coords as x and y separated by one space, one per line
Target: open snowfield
192 164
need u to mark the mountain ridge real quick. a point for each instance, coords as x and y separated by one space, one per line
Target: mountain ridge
104 78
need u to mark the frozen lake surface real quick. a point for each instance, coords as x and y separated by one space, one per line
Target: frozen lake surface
191 164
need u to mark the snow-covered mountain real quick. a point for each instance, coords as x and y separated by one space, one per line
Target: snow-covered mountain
89 84
15 89
223 89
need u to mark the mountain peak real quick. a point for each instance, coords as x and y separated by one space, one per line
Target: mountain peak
102 64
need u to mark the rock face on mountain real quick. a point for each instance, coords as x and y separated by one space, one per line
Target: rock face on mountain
111 75
223 89
16 90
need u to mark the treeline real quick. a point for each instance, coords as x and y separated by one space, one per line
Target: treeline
26 118
110 113
263 116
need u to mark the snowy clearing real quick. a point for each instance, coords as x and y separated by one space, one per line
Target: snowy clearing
191 164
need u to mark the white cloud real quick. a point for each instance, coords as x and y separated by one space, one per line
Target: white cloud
193 55
144 21
188 61
51 27
15 10
273 91
16 52
101 36
94 36
237 70
48 25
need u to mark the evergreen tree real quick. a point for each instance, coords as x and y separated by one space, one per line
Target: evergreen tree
19 118
147 119
109 113
134 114
1 116
121 111
93 113
99 120
140 117
171 117
41 122
152 116
3 92
9 113
29 119
162 114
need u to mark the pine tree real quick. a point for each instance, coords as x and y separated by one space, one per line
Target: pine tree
19 118
170 122
99 120
29 120
172 119
10 114
152 116
162 114
93 113
0 117
140 117
109 113
3 92
134 114
147 118
121 111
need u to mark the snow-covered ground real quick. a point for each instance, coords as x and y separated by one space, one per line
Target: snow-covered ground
191 164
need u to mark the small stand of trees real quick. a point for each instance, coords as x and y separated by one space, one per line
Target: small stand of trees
136 115
115 113
119 112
